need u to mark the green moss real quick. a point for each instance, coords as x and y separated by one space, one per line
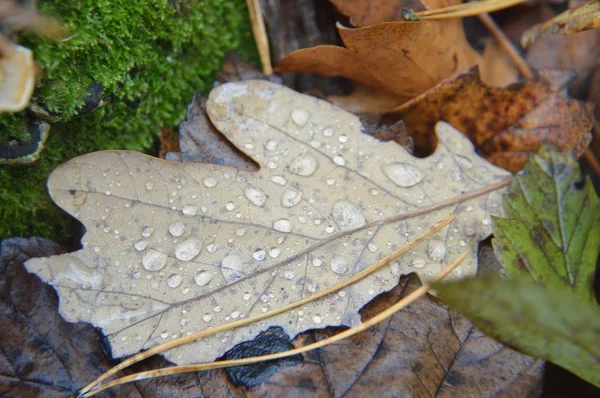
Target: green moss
13 125
150 57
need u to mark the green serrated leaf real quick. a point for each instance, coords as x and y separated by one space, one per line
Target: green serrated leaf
552 232
551 324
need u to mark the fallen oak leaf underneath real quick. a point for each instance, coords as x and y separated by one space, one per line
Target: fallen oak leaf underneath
172 232
423 350
503 123
199 140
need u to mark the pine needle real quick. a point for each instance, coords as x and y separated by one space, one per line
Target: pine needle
467 9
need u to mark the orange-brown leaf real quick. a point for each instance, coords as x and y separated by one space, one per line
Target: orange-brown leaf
403 58
503 123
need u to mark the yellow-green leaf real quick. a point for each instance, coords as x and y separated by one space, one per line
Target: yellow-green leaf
547 323
552 231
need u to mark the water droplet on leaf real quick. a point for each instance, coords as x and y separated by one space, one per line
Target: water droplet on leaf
402 174
305 165
154 260
188 249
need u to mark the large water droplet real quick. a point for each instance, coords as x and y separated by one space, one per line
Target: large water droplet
256 196
177 228
147 232
149 185
463 162
339 160
188 249
317 319
394 268
189 210
338 264
141 245
403 174
305 165
300 116
174 280
348 215
289 275
436 250
231 268
290 198
279 180
418 262
210 182
202 278
271 145
230 206
154 260
259 254
372 247
282 225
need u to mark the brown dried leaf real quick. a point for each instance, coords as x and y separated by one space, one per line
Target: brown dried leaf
42 355
496 67
577 52
200 141
402 59
424 350
169 142
394 62
585 16
503 123
175 248
235 69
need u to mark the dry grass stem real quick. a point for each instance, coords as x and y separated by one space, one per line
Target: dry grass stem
260 35
467 9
